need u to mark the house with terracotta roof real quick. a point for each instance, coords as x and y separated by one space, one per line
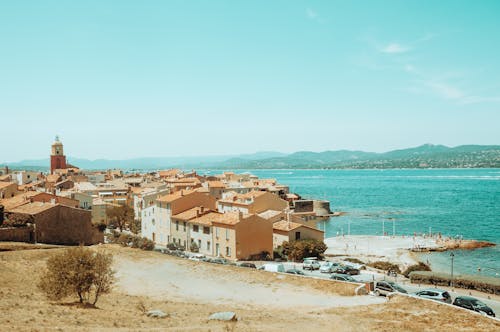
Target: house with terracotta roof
285 230
59 224
183 232
252 202
168 205
8 189
240 236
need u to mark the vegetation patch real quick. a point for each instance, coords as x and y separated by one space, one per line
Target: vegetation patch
79 272
483 284
354 260
386 266
131 240
416 267
300 249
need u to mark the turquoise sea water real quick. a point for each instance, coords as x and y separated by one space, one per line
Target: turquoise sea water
451 201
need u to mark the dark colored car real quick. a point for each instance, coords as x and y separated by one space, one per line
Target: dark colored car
250 265
474 304
218 260
295 271
342 277
346 270
386 287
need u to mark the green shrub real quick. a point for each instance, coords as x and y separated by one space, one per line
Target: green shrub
299 249
483 284
77 272
125 239
416 267
354 260
386 266
172 246
147 244
194 247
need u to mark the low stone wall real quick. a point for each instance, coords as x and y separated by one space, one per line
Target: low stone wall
16 234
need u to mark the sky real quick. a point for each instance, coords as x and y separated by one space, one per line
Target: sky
123 79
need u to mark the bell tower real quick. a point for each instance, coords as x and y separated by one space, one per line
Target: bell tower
57 157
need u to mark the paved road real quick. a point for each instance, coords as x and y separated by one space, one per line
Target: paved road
369 276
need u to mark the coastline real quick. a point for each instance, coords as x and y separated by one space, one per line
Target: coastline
401 250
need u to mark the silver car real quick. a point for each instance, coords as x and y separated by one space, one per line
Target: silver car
435 294
310 265
386 287
328 267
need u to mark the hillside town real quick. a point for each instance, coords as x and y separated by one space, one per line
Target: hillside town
234 216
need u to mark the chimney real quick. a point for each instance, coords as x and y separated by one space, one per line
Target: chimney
240 215
197 213
202 209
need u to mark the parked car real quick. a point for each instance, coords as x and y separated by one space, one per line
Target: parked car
328 267
342 277
218 260
197 257
250 265
310 264
346 270
276 267
474 304
295 271
386 287
435 294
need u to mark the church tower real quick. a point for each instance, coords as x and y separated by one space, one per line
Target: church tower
57 157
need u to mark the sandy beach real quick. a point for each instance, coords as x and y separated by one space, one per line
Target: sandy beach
369 248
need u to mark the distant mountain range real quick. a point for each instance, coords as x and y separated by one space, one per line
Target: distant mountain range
424 156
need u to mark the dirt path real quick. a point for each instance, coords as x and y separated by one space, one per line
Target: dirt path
162 278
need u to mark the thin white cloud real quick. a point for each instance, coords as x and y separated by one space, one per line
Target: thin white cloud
311 14
446 91
393 48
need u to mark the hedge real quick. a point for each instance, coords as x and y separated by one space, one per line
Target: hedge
483 284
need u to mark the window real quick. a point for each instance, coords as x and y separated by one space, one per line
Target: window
228 251
177 225
208 245
184 224
227 234
217 249
297 235
217 232
199 243
206 230
195 228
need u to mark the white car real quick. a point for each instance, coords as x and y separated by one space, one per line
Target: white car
328 267
197 257
310 264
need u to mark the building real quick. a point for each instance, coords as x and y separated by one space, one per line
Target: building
251 202
59 224
289 231
169 205
57 157
8 189
240 236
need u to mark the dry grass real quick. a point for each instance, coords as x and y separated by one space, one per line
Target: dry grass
24 308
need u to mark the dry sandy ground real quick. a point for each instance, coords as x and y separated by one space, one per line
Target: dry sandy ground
24 308
372 248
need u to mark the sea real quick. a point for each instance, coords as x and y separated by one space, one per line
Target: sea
454 202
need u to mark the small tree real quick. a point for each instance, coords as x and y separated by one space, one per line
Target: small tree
78 271
194 247
120 216
298 249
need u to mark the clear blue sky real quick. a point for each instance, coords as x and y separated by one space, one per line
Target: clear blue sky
120 79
